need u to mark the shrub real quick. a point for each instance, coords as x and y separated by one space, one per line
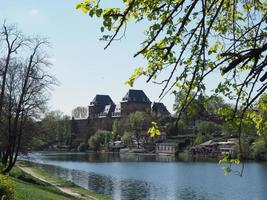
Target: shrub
258 148
6 188
100 138
82 147
200 138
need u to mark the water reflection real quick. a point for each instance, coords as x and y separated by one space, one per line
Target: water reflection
118 188
129 177
106 157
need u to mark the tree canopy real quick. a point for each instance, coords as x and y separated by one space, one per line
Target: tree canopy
186 41
25 88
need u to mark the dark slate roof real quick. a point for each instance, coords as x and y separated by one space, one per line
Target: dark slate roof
136 96
159 107
102 100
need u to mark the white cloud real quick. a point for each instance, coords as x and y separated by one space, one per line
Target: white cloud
34 12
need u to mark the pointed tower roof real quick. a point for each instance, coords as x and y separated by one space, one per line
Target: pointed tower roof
136 96
102 100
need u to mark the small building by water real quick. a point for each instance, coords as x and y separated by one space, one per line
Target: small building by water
213 149
166 148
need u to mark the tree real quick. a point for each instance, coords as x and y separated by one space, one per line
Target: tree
99 139
209 127
136 125
193 39
200 138
55 128
259 117
118 128
24 90
195 110
202 108
80 112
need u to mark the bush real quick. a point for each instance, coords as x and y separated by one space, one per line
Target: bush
258 148
209 127
100 138
82 147
6 188
200 138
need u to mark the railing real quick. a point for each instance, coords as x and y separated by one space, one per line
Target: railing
115 114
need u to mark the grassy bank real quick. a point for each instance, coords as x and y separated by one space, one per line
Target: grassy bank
28 187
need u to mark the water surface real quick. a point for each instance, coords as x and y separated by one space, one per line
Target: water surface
149 177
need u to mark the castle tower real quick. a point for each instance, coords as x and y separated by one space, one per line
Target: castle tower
101 106
135 100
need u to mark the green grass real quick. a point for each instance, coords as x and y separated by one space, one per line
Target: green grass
30 188
29 191
16 172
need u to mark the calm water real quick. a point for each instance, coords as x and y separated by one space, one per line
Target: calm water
156 178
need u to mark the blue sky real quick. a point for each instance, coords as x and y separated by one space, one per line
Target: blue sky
80 62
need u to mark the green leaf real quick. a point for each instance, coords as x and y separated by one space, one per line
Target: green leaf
84 9
91 13
78 6
99 12
227 170
154 130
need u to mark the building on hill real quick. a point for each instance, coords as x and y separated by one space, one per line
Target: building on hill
135 100
102 112
101 106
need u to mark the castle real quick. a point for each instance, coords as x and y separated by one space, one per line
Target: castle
102 111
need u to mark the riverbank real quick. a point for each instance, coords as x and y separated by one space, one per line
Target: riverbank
27 177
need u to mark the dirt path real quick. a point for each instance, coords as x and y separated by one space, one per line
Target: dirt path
64 189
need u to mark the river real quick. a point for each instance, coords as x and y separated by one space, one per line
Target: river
149 177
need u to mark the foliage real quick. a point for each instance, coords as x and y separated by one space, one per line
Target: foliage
80 112
208 127
187 41
200 138
214 103
194 111
136 120
229 128
115 131
172 130
36 143
82 147
25 86
118 127
55 128
228 163
99 139
136 123
126 138
6 188
154 130
259 116
258 148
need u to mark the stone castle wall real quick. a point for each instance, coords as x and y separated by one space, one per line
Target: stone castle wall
83 129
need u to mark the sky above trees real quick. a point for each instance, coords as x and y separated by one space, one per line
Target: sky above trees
80 62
